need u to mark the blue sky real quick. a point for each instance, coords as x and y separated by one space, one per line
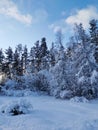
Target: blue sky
26 21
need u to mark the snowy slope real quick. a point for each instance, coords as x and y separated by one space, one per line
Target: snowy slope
51 114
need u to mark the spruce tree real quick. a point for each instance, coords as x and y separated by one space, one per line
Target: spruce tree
94 31
9 61
94 37
1 60
44 54
16 63
43 48
25 58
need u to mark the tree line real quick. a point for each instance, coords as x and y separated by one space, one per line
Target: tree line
74 69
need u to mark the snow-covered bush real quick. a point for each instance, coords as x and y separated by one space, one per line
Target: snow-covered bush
88 85
64 78
31 82
10 84
66 94
36 82
49 81
8 87
42 83
15 84
12 87
58 81
17 107
79 99
17 93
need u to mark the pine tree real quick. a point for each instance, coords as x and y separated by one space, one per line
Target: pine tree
32 60
94 37
9 61
59 42
44 54
43 47
1 60
59 39
16 63
52 54
37 56
94 31
19 49
80 34
25 58
84 42
83 65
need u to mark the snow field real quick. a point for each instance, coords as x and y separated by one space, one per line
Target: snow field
51 114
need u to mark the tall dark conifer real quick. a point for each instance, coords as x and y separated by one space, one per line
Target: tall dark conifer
9 61
1 60
94 36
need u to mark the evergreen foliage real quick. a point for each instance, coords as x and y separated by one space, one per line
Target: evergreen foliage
63 73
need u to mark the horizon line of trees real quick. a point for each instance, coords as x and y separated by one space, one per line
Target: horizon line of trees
74 68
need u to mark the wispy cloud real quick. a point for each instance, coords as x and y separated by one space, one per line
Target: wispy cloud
77 16
9 8
83 16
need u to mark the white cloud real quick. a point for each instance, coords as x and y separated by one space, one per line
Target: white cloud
83 16
8 8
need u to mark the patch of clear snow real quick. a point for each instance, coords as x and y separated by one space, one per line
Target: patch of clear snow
52 114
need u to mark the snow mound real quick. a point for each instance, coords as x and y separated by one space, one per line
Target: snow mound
79 99
17 107
65 94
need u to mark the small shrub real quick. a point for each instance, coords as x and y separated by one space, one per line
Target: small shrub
17 108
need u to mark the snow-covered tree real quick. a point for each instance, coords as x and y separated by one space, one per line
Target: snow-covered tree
9 61
25 58
94 31
43 47
44 54
1 60
16 63
59 39
37 58
94 37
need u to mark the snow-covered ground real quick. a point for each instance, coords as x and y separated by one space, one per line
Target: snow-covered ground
51 114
